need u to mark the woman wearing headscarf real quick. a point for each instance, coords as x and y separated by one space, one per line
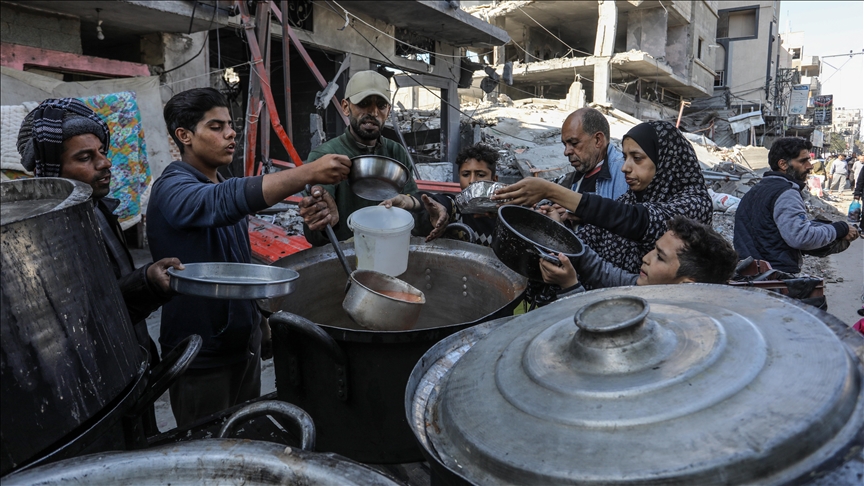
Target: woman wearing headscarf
664 179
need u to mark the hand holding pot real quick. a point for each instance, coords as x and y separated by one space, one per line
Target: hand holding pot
319 209
527 192
157 273
437 216
563 276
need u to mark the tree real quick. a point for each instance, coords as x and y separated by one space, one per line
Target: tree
837 145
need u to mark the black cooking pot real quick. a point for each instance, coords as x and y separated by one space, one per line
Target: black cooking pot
68 349
352 380
523 236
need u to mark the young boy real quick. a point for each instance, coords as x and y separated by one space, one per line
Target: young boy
198 216
475 163
688 252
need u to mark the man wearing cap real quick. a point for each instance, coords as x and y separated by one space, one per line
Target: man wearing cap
65 138
367 105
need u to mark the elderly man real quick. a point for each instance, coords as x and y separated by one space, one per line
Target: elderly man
367 105
585 135
65 138
771 222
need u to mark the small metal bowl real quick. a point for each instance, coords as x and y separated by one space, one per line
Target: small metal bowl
474 199
232 280
376 178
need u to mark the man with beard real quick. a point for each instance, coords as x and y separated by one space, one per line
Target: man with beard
367 105
771 222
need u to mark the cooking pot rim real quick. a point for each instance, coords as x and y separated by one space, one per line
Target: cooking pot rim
79 193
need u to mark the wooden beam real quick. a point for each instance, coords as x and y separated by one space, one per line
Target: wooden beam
18 57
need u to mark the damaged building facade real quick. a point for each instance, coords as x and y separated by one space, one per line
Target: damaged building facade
642 57
186 44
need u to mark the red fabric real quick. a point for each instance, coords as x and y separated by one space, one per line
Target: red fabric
859 326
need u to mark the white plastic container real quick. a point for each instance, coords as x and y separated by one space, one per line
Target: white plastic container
381 238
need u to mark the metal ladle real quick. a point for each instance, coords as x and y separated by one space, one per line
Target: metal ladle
333 241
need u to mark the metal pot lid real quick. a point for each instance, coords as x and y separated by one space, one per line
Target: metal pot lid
694 384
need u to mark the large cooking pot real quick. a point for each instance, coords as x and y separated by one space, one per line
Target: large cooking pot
696 384
352 380
524 236
213 461
68 349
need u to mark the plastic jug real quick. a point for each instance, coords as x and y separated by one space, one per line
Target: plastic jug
381 238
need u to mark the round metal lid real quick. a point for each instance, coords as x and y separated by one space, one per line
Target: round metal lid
689 384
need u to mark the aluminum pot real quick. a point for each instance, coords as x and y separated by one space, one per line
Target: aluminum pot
380 302
213 461
352 380
709 384
376 178
523 236
68 348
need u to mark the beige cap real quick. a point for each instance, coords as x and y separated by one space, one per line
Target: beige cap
367 83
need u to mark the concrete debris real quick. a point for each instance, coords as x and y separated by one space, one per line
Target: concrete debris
289 219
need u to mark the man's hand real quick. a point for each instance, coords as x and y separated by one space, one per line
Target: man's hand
319 209
853 233
563 276
402 201
437 216
157 273
527 192
329 169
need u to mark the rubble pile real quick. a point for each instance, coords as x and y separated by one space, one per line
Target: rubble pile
289 219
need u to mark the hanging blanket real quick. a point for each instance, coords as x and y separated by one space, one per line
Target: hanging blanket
130 172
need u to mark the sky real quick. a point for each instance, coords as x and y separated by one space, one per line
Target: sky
831 28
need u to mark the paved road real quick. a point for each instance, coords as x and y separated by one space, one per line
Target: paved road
845 298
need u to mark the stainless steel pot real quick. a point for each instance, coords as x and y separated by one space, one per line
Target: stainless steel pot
380 302
691 384
352 380
68 348
213 461
376 178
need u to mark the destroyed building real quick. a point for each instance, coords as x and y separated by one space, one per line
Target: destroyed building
642 57
187 44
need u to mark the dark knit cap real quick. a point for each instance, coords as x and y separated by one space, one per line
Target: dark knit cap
40 139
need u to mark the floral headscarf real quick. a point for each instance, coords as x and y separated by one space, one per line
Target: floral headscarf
677 188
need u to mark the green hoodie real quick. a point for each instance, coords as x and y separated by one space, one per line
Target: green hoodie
346 201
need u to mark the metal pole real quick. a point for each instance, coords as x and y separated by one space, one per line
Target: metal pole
286 72
395 121
264 42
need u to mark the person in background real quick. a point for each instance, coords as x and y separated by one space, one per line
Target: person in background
771 223
475 163
856 171
837 172
664 179
367 105
199 216
65 138
687 252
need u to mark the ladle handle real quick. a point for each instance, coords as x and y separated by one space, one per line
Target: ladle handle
333 241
